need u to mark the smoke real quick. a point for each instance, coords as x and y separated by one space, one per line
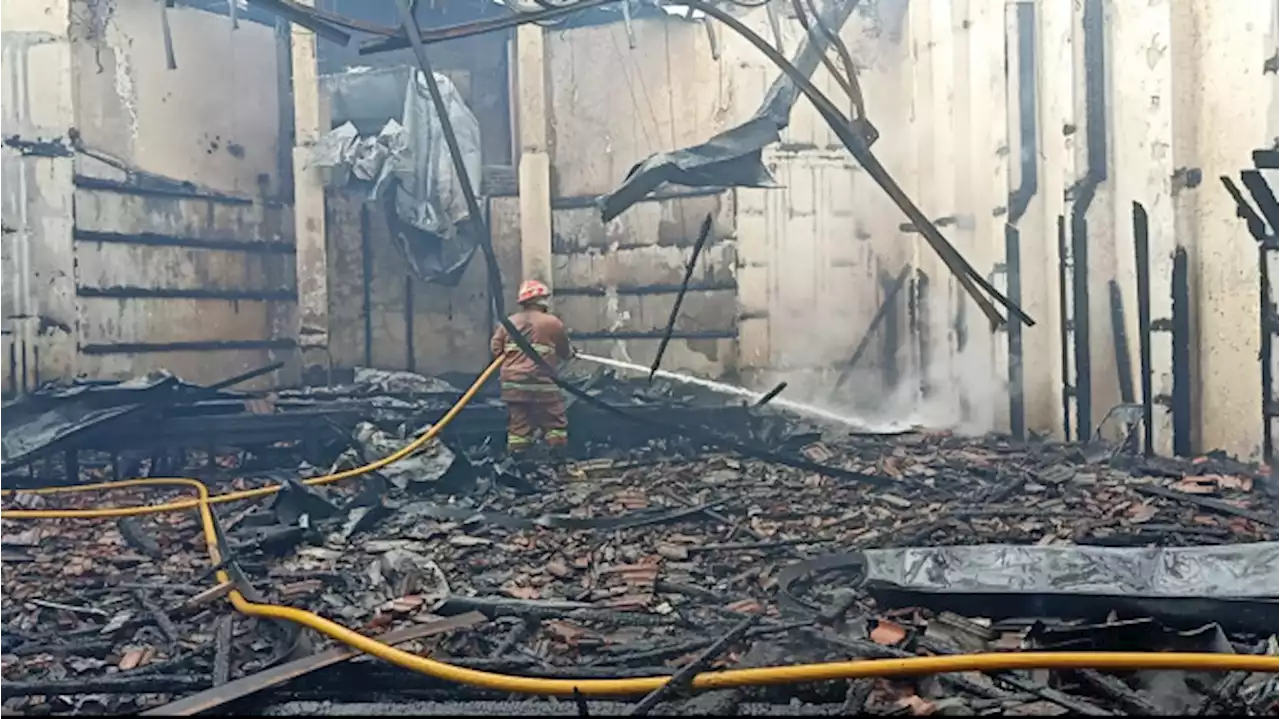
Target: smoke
941 387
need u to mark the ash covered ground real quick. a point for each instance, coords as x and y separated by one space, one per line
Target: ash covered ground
634 562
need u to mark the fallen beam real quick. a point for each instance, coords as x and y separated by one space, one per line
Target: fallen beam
1215 505
275 676
701 242
690 670
147 683
881 313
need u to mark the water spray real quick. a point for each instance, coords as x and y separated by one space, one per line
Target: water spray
755 397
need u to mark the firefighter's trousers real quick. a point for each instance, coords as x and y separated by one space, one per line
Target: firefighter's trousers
532 410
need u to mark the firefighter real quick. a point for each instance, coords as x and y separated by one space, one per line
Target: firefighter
533 401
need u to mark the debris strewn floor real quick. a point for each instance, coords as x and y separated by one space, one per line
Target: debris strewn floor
623 567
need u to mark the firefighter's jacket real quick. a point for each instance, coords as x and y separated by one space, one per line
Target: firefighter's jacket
522 379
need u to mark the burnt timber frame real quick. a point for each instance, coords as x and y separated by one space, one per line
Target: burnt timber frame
1264 226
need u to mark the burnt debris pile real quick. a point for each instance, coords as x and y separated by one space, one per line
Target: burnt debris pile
649 555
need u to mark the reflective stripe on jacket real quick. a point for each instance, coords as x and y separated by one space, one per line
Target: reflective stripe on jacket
547 334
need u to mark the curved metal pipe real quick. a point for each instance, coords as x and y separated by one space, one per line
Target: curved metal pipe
965 274
1019 200
1083 196
972 281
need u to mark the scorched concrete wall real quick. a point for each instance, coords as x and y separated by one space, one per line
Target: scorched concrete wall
38 105
213 119
382 316
137 231
609 105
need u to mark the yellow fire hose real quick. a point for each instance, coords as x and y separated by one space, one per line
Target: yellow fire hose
619 687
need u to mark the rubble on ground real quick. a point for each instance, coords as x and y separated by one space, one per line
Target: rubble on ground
627 566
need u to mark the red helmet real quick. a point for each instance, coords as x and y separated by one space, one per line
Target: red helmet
531 290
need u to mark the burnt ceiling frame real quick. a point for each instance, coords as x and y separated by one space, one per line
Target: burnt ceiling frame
857 142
